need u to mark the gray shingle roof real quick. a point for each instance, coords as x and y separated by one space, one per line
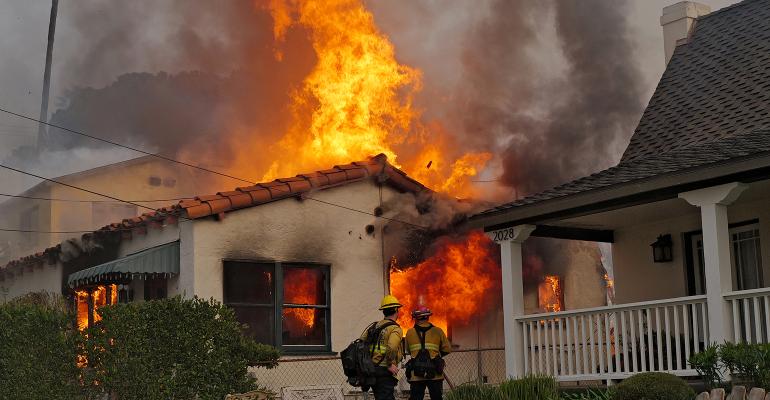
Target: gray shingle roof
712 104
716 85
695 156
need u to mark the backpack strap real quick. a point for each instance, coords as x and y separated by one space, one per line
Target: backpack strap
421 333
382 328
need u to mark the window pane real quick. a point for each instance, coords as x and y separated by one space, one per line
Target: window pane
304 326
259 321
248 282
748 259
304 286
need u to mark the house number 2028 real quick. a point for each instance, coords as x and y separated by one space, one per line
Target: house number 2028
503 235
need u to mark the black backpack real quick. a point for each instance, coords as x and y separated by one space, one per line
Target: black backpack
357 361
422 365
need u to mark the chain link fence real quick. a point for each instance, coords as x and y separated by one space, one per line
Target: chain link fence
462 366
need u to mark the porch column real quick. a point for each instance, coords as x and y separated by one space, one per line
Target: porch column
510 241
713 204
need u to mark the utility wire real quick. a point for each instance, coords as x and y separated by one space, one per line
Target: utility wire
162 157
186 164
80 188
18 196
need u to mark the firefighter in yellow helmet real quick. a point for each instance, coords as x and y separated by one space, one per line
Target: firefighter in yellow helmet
427 345
386 349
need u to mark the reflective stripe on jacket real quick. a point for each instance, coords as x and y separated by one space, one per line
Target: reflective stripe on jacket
436 343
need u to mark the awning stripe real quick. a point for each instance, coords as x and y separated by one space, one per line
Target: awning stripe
163 259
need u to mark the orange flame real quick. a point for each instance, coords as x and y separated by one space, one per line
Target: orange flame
355 103
457 283
550 297
99 298
301 287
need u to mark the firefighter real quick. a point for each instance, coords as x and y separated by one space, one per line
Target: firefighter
427 345
386 351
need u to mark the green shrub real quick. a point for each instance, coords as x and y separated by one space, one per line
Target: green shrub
537 387
474 391
652 386
708 366
38 349
587 394
174 348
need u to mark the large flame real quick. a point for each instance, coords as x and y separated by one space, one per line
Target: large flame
302 286
457 283
355 103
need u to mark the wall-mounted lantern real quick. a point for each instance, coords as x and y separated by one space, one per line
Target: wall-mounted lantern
662 249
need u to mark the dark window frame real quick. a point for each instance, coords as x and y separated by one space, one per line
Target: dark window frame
689 267
278 303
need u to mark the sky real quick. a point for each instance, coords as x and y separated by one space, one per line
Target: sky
430 43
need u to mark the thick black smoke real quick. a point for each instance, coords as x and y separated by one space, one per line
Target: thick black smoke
558 128
190 77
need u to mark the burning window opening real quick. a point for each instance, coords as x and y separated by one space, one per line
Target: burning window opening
459 281
550 296
296 316
304 292
89 300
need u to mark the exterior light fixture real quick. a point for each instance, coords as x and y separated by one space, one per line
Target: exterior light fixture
662 249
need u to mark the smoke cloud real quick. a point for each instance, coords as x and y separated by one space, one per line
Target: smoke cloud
569 125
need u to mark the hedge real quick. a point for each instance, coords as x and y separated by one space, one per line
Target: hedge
166 349
38 349
171 349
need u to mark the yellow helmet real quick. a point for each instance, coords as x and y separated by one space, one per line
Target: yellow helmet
389 301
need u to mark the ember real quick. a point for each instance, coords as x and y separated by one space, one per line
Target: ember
457 283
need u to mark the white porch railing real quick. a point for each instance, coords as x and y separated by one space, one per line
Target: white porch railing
615 342
751 315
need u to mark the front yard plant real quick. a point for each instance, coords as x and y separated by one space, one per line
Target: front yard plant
652 386
171 349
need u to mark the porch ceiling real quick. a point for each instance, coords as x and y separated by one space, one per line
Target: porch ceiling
656 211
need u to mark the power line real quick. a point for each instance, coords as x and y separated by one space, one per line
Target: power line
80 188
182 163
126 146
89 201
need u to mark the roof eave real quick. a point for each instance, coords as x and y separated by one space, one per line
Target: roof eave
660 187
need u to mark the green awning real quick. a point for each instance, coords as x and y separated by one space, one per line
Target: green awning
163 259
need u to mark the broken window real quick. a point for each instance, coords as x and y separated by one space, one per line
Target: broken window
285 305
88 301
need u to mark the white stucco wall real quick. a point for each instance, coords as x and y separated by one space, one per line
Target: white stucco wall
638 278
39 278
298 231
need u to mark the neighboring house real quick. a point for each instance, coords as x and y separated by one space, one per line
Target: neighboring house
686 211
143 178
296 264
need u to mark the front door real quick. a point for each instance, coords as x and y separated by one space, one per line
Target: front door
745 256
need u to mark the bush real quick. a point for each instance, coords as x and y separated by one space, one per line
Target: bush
708 366
587 394
473 391
538 387
38 349
535 387
652 386
174 348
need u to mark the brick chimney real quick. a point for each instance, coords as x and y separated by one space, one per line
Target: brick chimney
677 22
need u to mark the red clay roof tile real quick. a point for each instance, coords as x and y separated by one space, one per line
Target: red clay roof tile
249 196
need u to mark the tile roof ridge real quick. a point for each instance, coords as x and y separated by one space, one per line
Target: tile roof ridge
376 167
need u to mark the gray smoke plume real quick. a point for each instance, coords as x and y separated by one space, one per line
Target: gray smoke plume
582 117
